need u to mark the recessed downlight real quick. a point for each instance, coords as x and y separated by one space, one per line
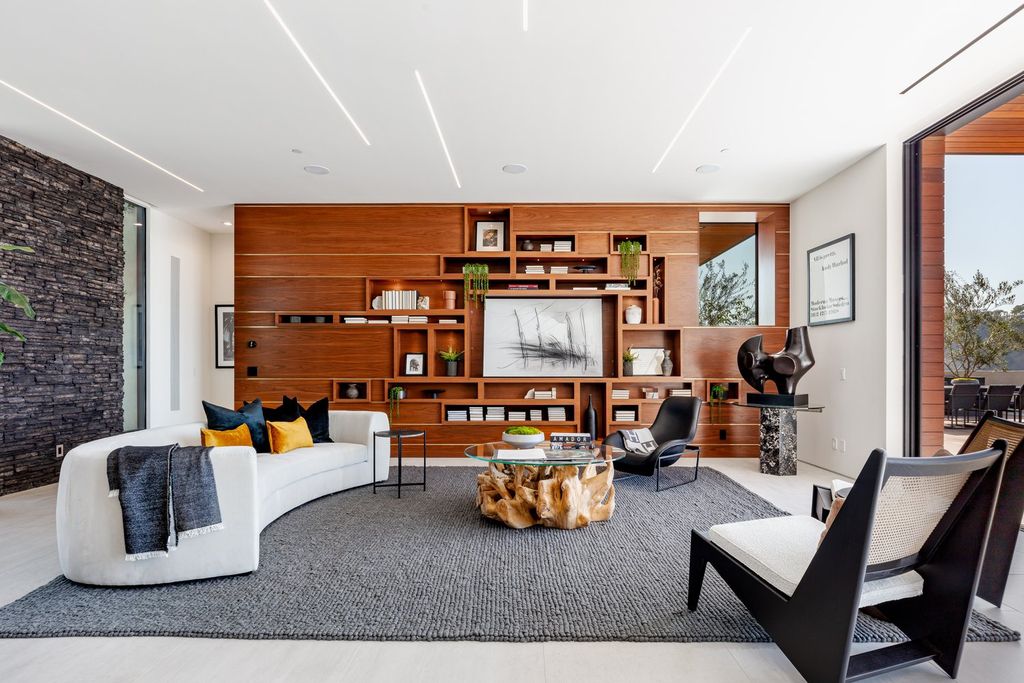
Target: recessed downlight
296 150
226 224
514 168
316 169
708 168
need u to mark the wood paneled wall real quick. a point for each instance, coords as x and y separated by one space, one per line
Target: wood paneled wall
302 261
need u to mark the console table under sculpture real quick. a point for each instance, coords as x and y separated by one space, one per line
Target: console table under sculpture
778 411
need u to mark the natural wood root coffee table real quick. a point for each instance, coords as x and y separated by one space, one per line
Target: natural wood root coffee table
564 490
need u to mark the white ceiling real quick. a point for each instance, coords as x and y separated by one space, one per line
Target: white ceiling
588 98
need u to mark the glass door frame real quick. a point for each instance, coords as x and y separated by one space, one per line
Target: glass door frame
912 251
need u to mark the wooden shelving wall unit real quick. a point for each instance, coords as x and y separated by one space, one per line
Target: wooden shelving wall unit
301 269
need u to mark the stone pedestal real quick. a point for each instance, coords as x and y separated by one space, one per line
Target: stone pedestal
778 441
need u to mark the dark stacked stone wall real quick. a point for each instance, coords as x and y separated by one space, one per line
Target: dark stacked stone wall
64 386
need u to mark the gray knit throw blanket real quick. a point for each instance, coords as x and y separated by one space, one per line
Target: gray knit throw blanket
167 493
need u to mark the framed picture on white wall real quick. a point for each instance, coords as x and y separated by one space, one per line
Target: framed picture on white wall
831 289
224 335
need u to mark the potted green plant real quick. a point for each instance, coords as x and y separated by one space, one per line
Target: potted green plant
476 282
16 298
629 251
718 392
522 436
395 395
451 357
628 356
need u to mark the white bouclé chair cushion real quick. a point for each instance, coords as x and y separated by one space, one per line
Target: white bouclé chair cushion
780 549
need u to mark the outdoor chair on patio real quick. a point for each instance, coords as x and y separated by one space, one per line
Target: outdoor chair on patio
908 540
963 398
1009 509
1000 399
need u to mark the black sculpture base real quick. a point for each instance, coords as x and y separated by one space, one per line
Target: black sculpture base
780 400
778 441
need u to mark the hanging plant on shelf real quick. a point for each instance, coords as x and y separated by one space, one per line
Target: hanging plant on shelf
395 396
476 281
15 298
630 250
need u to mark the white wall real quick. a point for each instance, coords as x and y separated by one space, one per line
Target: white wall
207 278
855 409
221 389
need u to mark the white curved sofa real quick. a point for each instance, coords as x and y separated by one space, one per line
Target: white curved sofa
254 490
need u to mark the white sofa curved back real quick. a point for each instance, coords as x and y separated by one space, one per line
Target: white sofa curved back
253 491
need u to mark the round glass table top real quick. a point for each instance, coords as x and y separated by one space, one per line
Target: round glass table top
501 453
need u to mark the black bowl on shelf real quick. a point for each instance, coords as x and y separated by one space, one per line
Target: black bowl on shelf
585 268
433 393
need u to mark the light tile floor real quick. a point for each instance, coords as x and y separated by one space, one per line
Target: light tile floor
28 559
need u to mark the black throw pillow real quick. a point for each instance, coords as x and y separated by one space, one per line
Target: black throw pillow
315 415
219 418
286 412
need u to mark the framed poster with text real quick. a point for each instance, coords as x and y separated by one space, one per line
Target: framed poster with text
830 282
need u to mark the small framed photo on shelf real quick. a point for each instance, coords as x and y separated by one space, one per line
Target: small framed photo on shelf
415 364
648 361
490 236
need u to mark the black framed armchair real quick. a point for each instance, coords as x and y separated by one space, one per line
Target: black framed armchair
908 541
673 430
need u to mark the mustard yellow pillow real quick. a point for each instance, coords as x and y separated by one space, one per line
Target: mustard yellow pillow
287 436
239 436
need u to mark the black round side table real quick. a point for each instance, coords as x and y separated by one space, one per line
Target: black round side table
400 435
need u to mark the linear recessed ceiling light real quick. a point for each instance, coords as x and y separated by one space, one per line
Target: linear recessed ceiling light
98 134
437 127
704 95
226 224
316 71
966 47
526 15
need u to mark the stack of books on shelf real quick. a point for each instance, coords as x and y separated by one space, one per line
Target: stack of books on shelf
617 286
476 413
559 270
622 415
458 416
547 247
517 416
399 299
495 413
378 321
562 245
585 288
418 319
354 320
680 392
536 414
399 320
556 414
522 286
447 321
542 394
535 269
619 394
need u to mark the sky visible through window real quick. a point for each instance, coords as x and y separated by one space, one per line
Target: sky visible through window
985 216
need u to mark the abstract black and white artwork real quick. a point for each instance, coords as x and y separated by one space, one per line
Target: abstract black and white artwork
224 328
543 337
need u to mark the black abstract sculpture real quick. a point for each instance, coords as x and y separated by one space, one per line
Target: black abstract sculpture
784 368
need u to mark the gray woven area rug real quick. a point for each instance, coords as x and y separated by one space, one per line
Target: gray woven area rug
358 566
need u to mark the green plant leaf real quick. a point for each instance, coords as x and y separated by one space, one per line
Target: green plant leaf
16 247
4 327
1 357
9 293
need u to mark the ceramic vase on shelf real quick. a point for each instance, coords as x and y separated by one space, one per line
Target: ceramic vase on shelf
449 299
452 367
527 245
667 364
627 368
590 419
351 391
634 314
